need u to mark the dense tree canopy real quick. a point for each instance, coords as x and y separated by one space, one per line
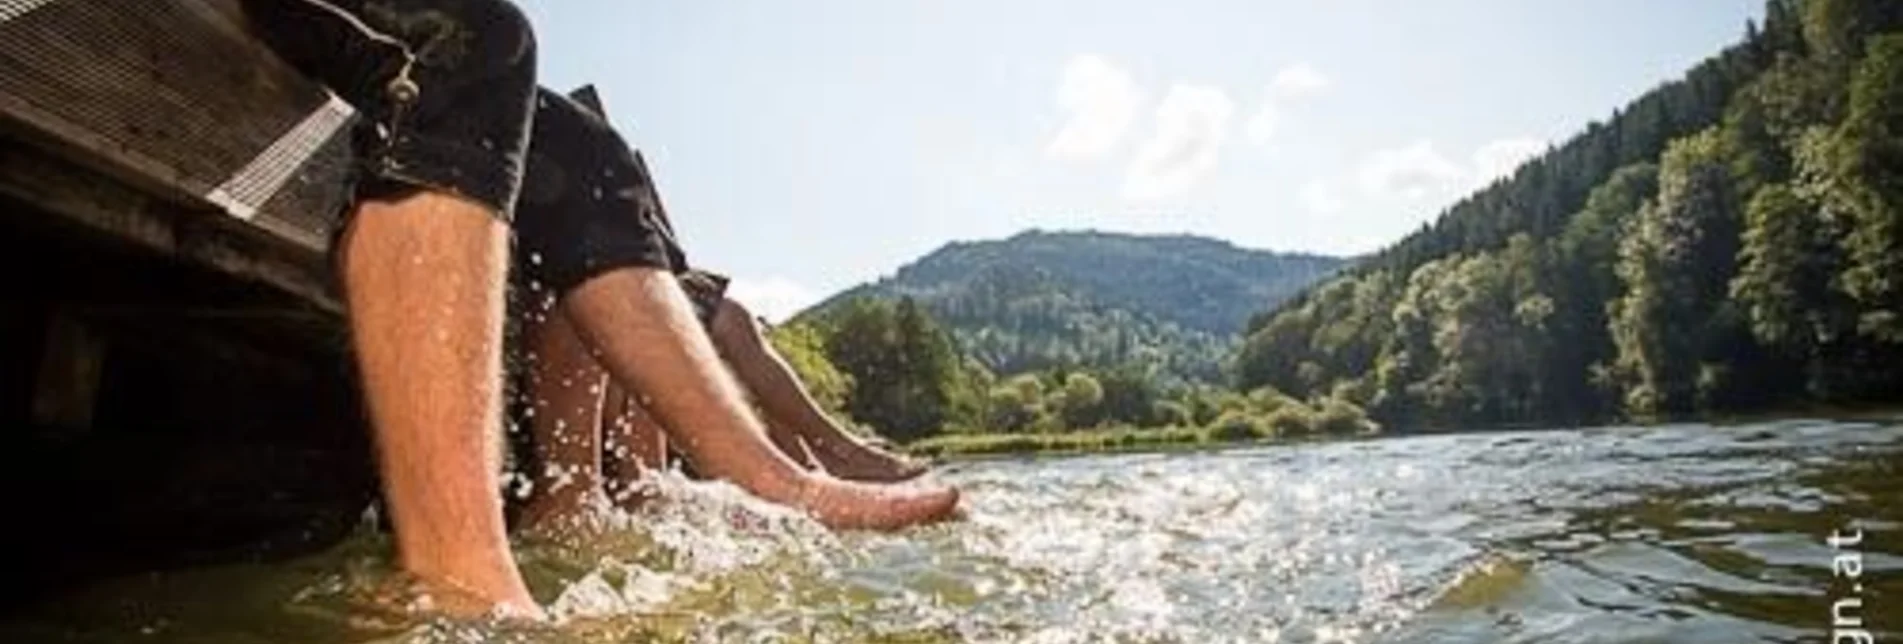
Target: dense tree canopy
907 377
1729 241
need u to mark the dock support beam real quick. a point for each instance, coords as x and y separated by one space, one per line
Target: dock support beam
70 371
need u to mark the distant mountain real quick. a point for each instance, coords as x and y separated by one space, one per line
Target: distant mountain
1044 299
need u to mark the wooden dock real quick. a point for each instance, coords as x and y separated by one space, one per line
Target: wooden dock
164 123
172 358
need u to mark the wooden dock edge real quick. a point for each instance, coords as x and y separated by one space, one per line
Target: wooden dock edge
206 236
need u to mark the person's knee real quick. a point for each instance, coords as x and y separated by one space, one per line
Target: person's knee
734 323
507 35
462 45
467 42
653 291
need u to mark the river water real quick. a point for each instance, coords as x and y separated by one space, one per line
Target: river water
1687 533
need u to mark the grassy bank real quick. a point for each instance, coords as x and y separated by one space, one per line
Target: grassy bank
1140 439
1251 419
1096 440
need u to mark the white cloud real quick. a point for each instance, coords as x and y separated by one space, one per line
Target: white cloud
1294 82
1264 124
1192 123
1500 157
774 298
1321 198
1298 80
1102 102
1412 171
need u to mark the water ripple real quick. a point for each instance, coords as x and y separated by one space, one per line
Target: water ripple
1685 533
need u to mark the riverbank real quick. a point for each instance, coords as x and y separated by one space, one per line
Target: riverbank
1127 439
1079 442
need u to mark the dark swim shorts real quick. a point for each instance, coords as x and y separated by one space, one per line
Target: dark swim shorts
589 206
467 127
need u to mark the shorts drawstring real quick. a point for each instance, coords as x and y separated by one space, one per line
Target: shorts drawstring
402 89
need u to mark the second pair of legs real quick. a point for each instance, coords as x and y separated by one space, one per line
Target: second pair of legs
579 416
607 306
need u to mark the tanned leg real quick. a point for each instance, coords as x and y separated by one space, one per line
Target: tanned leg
643 328
783 436
793 417
638 446
565 388
423 279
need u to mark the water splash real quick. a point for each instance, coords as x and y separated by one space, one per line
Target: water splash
1602 535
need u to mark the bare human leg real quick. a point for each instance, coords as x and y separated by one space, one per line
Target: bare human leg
423 280
639 448
566 389
642 326
784 436
638 445
793 417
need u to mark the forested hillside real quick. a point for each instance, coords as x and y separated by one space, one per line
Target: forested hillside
1042 300
1731 241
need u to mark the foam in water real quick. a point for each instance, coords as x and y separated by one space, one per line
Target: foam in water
1687 533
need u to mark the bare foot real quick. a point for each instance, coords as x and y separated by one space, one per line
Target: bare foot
849 505
557 526
474 585
860 462
463 603
560 509
397 601
634 496
505 604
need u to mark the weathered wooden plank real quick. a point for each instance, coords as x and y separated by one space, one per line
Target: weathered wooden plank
107 205
177 100
86 197
258 257
71 364
149 82
10 9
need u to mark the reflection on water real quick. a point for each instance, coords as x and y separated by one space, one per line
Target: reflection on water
1672 534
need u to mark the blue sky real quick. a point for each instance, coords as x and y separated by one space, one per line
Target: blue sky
804 147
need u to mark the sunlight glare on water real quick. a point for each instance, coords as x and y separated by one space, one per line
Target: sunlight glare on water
1686 533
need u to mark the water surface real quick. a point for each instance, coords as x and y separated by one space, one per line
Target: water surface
1687 533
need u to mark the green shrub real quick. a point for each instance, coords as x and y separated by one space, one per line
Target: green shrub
1267 400
1170 413
1236 425
1081 441
1290 420
1342 418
